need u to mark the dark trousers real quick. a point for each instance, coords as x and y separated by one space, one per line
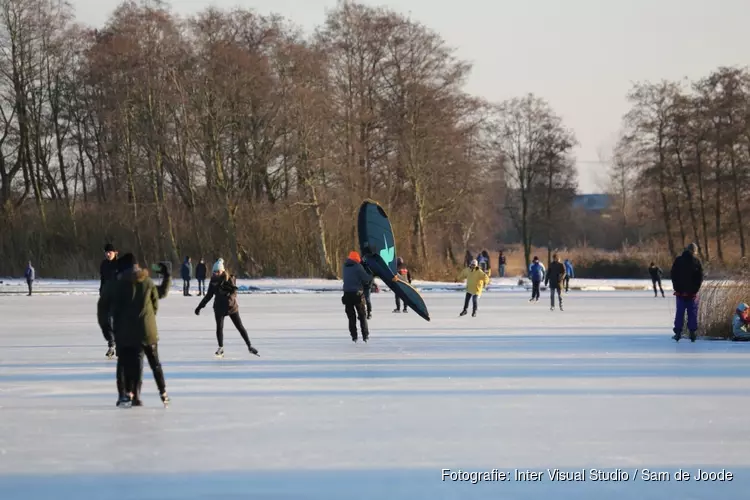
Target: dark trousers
474 302
366 292
237 321
152 355
354 306
201 287
185 287
657 282
398 303
687 305
128 369
535 290
552 290
30 283
567 283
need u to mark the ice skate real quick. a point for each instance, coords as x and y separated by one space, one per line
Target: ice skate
124 402
354 339
676 337
165 399
219 352
253 350
397 310
552 308
473 314
405 310
693 336
463 313
111 353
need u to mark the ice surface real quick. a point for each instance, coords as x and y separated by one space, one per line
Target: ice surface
599 385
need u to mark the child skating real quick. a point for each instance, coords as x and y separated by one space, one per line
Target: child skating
476 281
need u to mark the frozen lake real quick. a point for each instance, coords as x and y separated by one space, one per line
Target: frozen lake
599 386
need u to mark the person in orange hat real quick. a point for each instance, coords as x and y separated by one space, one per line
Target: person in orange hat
355 281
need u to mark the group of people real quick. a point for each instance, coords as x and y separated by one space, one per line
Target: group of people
556 278
483 262
126 313
186 273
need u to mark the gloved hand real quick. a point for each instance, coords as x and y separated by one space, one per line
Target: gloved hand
197 311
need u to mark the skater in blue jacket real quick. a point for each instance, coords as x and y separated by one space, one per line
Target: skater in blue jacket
536 275
569 273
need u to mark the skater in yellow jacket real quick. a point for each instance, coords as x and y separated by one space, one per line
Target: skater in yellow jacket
476 281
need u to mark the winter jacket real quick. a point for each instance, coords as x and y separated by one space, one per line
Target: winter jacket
537 271
569 271
555 275
687 275
476 280
655 272
502 260
186 271
739 328
223 289
200 271
107 273
355 277
132 300
403 273
30 273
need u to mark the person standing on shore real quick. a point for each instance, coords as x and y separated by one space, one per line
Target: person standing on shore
30 275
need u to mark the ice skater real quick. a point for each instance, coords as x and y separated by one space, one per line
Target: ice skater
132 301
356 279
536 275
107 273
223 289
569 273
187 275
656 274
687 278
555 278
476 281
403 275
201 271
30 275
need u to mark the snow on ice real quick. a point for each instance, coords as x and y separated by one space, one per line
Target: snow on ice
538 397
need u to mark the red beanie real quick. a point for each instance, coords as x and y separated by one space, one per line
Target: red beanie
355 256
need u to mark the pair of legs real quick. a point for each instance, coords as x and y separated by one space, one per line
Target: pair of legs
534 290
654 283
30 283
689 306
237 322
366 292
355 308
474 304
398 305
186 288
567 283
201 287
130 372
501 271
552 291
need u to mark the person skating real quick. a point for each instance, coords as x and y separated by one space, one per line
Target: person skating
30 275
687 278
108 273
356 279
656 274
536 275
483 259
200 275
555 278
223 289
187 274
741 324
476 281
132 301
569 273
403 275
501 263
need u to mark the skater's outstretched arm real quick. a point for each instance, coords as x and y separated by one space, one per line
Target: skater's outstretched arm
207 298
166 281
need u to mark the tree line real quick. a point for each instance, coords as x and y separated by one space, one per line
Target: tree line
230 133
681 168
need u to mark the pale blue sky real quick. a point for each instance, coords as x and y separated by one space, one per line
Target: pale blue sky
581 55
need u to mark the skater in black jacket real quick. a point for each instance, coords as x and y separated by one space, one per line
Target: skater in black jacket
107 273
404 275
223 289
555 278
200 274
656 274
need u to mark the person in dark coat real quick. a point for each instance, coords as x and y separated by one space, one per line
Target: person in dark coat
356 279
187 274
555 278
468 257
502 261
223 289
656 273
687 278
107 273
30 275
200 274
132 300
404 275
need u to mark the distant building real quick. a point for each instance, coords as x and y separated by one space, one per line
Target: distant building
593 202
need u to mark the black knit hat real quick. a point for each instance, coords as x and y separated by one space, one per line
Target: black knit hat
109 247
